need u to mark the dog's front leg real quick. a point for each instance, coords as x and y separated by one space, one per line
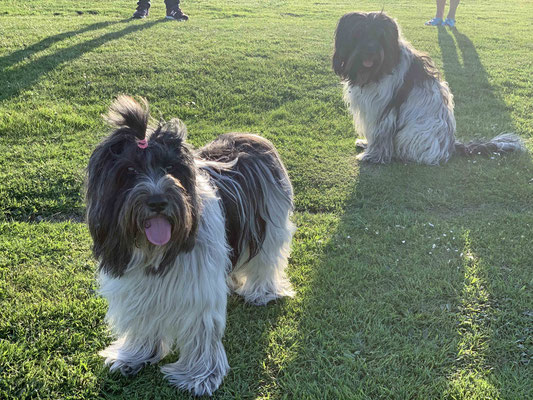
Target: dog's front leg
128 355
202 364
134 321
380 146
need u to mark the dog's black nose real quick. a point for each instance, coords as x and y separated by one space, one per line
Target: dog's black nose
371 48
157 203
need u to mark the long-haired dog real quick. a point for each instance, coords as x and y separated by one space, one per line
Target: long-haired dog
399 103
174 229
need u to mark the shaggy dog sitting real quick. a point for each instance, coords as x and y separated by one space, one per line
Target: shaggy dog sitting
399 103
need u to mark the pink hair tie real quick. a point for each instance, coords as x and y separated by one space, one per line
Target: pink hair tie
142 144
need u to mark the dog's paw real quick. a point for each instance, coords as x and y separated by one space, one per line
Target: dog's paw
373 158
128 359
126 369
267 293
364 157
199 384
361 144
263 299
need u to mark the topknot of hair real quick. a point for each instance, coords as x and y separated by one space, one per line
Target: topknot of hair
126 112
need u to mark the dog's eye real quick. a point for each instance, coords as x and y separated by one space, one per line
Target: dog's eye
168 168
132 170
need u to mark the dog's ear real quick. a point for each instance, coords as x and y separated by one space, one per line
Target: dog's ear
345 40
390 26
110 247
175 127
337 63
339 53
391 44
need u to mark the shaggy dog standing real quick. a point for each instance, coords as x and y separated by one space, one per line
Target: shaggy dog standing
174 229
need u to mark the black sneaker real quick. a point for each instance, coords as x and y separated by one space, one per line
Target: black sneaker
176 13
142 10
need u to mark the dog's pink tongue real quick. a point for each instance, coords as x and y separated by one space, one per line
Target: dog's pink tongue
368 62
157 230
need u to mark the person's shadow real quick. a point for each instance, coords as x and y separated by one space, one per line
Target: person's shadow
476 102
14 78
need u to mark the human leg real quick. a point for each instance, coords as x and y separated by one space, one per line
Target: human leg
174 11
438 15
453 7
142 9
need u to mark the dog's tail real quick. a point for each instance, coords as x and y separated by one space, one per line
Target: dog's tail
503 143
129 116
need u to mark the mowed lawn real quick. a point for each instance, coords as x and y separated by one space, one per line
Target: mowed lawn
412 282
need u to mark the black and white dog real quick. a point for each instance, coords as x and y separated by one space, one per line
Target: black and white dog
398 101
174 229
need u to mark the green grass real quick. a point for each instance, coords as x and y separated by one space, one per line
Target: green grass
412 282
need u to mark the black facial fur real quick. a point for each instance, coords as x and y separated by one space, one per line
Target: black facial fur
117 196
365 37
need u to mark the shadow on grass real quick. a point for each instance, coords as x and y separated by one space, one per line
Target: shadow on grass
22 69
384 310
17 78
477 103
383 305
494 314
19 55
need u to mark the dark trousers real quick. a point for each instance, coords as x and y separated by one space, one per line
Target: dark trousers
168 3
